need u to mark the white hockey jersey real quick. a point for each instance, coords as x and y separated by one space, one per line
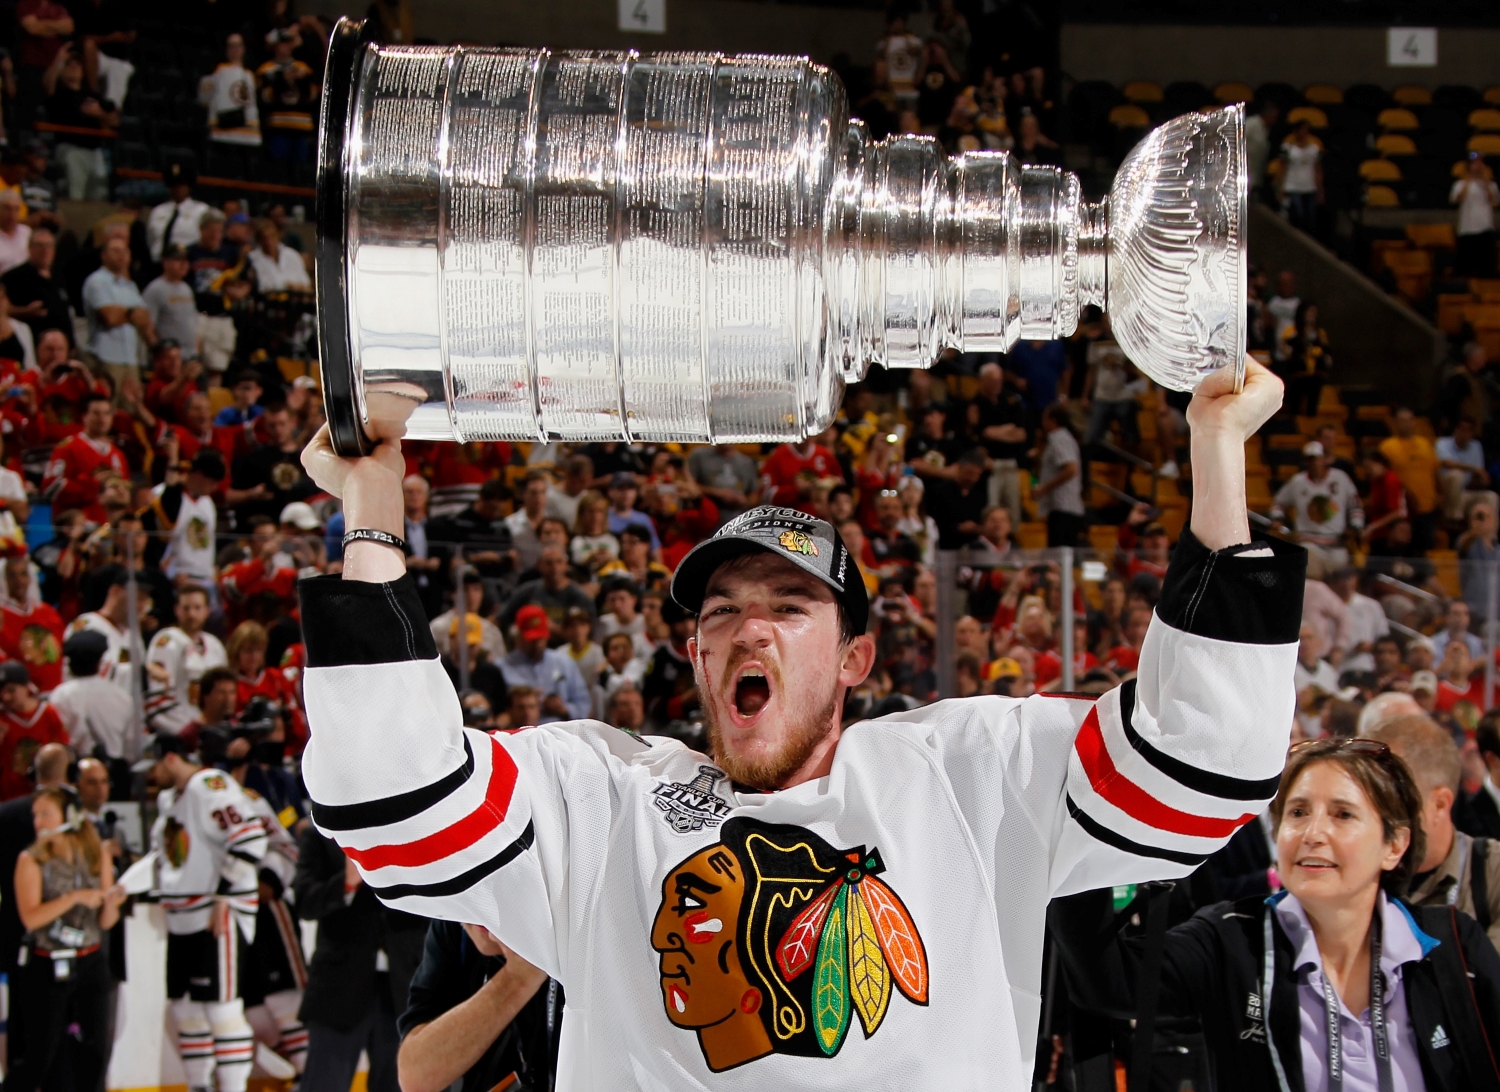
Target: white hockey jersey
210 843
172 705
281 847
878 928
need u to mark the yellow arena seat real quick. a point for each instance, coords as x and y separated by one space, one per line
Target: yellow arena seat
1411 95
1142 91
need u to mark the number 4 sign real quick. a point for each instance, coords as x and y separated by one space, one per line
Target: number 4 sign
644 16
1406 47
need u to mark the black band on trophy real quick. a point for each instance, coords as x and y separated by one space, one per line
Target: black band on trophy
335 357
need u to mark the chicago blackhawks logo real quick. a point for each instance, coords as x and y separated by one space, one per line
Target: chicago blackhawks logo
797 542
175 842
772 942
39 646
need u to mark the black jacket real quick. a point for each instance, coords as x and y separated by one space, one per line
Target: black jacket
1477 815
16 833
1212 967
341 981
452 971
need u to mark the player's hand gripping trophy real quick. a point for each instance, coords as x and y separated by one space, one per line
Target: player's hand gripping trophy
527 245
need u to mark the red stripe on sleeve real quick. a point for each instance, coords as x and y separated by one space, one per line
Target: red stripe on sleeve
1135 801
457 836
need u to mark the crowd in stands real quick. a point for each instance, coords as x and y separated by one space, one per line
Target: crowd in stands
156 388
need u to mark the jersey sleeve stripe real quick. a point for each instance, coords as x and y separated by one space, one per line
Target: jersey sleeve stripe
457 836
1130 798
464 880
1192 777
1120 842
394 809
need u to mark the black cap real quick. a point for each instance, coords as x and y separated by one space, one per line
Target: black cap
86 642
805 541
179 174
83 651
173 250
14 671
161 745
209 463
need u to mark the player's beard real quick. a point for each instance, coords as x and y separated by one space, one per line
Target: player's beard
799 739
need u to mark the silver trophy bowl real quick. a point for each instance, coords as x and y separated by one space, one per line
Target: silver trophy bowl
528 245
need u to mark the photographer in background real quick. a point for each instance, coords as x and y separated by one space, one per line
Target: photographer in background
477 1013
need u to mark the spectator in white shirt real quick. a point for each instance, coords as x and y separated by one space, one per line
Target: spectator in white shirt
1324 506
1476 196
233 115
175 221
1462 478
1325 612
1456 628
1365 623
277 268
1283 308
15 237
1311 669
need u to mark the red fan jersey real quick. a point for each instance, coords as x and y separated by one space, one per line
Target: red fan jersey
785 468
35 639
24 736
73 479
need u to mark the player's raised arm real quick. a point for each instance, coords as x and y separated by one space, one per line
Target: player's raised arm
1165 768
438 818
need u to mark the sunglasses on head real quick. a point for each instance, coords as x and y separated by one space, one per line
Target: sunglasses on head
1356 745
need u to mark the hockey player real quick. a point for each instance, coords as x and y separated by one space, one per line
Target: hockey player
728 921
275 973
175 664
211 844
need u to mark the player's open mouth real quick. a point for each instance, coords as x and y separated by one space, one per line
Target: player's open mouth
752 691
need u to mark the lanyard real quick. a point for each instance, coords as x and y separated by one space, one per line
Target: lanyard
1377 1022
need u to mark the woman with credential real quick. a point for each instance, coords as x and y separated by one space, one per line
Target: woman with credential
68 900
1360 989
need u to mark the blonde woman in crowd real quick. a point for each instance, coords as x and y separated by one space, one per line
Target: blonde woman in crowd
67 900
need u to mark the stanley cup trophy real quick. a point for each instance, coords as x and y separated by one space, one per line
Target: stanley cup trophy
518 244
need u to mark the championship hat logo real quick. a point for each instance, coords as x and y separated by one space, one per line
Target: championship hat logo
797 542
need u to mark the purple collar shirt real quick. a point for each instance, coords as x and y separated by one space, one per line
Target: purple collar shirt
1401 943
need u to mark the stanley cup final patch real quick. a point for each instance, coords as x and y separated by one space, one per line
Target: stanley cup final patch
692 805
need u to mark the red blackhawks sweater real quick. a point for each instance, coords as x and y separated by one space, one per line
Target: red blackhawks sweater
878 928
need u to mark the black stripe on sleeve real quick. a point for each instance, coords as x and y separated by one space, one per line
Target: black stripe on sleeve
1119 841
357 622
1222 595
1185 774
393 809
464 880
